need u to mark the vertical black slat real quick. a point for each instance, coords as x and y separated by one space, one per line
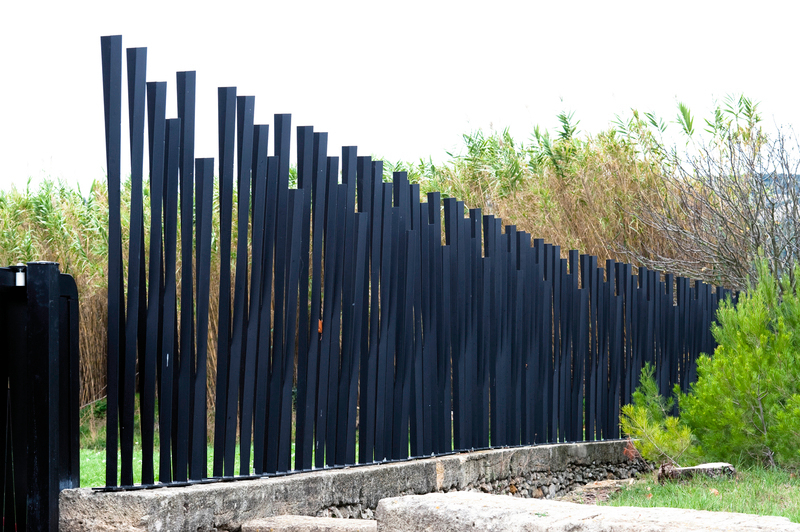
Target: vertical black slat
554 264
156 107
665 304
650 278
406 347
281 140
305 330
111 47
503 366
370 174
360 227
226 97
536 384
334 330
541 309
475 273
327 314
573 298
396 336
605 285
674 354
492 252
546 349
525 329
488 324
349 169
204 172
599 365
531 396
596 373
632 316
575 366
590 357
579 367
464 312
307 417
186 82
568 306
259 169
43 396
415 368
497 337
512 431
264 383
137 59
605 310
617 353
683 328
416 374
433 356
522 347
295 219
595 378
500 423
364 192
587 278
69 403
445 367
451 238
554 274
165 402
398 333
417 391
400 191
427 281
244 112
484 325
383 369
639 308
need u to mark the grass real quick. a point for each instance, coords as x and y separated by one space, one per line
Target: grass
93 451
758 491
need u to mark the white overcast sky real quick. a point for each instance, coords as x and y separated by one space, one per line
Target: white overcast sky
402 79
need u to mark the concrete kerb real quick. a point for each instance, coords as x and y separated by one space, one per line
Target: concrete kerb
545 471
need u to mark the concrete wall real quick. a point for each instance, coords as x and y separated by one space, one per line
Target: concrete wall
542 471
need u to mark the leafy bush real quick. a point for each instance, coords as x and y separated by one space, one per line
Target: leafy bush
659 437
745 405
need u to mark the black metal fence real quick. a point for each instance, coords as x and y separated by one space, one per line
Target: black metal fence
39 330
354 334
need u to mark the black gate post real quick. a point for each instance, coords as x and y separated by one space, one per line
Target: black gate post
39 311
43 385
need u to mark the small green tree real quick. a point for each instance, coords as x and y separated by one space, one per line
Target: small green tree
745 405
659 437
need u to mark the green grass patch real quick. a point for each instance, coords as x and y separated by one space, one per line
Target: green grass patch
755 491
93 448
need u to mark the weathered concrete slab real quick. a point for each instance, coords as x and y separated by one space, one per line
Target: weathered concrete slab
299 523
540 471
712 470
470 511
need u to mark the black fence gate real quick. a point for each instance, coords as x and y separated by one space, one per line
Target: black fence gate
39 363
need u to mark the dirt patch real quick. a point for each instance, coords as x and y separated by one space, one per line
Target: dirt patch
595 492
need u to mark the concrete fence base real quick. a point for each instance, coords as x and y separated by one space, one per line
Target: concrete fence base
541 471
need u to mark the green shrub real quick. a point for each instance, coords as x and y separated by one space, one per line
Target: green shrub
745 405
659 437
